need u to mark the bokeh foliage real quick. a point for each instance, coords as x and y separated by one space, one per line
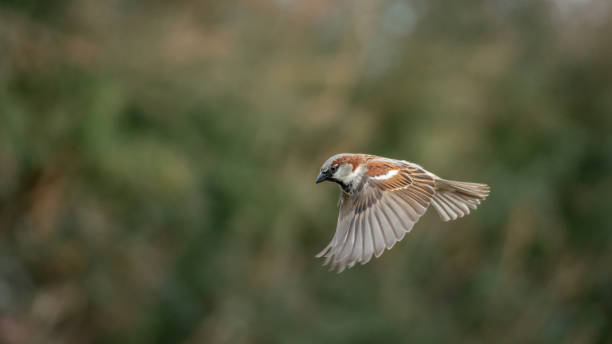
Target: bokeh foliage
157 162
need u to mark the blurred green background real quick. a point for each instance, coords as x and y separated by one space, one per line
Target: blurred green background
157 166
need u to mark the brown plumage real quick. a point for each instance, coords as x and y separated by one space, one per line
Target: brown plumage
382 199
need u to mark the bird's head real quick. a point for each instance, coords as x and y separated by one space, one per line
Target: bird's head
341 168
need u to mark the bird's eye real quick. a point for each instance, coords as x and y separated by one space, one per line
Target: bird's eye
333 169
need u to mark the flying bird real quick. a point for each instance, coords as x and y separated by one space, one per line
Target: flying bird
381 199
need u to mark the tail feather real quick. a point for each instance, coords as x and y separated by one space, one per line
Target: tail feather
454 199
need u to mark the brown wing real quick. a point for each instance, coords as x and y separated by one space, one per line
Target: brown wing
391 202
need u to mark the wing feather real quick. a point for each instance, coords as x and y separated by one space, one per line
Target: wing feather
379 245
387 228
387 233
409 206
406 216
368 243
348 245
357 250
451 204
451 214
441 211
462 205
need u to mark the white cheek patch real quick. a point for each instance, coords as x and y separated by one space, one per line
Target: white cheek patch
346 175
386 175
355 174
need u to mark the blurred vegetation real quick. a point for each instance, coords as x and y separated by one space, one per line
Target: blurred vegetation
157 165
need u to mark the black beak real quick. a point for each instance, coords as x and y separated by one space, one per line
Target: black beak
323 176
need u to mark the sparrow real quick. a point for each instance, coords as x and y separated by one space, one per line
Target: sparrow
380 201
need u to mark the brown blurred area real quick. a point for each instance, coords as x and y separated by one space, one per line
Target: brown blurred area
157 166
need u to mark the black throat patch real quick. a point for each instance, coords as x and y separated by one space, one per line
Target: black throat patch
345 187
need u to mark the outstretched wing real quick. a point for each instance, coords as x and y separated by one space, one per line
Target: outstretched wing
395 194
